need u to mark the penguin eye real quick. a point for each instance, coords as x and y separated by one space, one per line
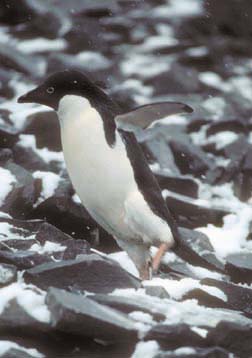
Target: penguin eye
50 90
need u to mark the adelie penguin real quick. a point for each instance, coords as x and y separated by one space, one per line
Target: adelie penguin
108 168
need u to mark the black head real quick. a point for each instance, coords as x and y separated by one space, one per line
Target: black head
60 84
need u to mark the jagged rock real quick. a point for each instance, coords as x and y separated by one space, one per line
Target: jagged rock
74 248
19 202
205 299
238 298
15 60
232 336
173 336
87 273
181 80
213 352
82 316
23 259
8 274
25 322
127 305
190 159
226 125
8 136
239 267
190 214
6 91
45 127
156 291
178 184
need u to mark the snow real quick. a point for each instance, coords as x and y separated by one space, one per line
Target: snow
142 317
7 179
93 60
50 182
200 331
175 8
29 141
48 247
41 44
8 232
32 302
7 345
223 139
177 289
125 262
147 349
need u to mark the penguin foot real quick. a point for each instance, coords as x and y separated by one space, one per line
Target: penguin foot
145 271
158 257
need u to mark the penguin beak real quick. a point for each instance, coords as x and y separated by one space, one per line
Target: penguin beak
30 97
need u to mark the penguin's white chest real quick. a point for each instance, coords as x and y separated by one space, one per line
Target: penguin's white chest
102 175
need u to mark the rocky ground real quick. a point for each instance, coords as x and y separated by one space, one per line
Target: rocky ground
65 288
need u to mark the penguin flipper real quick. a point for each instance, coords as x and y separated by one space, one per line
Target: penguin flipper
144 116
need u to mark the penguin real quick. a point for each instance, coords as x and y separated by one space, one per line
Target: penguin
107 167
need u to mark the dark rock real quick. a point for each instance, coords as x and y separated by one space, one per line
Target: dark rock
190 159
8 136
190 214
88 272
8 274
127 305
225 13
238 298
201 247
180 79
205 299
213 352
232 336
19 202
232 125
174 336
6 91
25 324
30 160
5 156
75 248
23 259
45 127
156 291
32 14
11 58
239 267
178 184
195 124
82 316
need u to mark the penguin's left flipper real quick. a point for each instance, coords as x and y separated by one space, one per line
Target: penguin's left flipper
144 116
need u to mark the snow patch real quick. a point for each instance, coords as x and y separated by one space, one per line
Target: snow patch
7 179
147 349
7 345
50 182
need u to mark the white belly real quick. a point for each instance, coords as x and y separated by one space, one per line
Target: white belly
101 175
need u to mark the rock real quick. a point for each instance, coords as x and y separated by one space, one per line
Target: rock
8 274
232 336
203 251
213 352
205 299
180 79
101 275
232 125
178 184
195 124
30 160
238 298
190 214
23 259
74 248
8 136
6 91
25 324
190 159
127 305
174 336
45 127
239 267
82 316
225 13
13 59
156 291
32 14
19 202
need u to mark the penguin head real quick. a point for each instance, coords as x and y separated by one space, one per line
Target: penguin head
58 85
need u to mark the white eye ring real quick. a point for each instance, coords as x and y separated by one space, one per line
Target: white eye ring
50 90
